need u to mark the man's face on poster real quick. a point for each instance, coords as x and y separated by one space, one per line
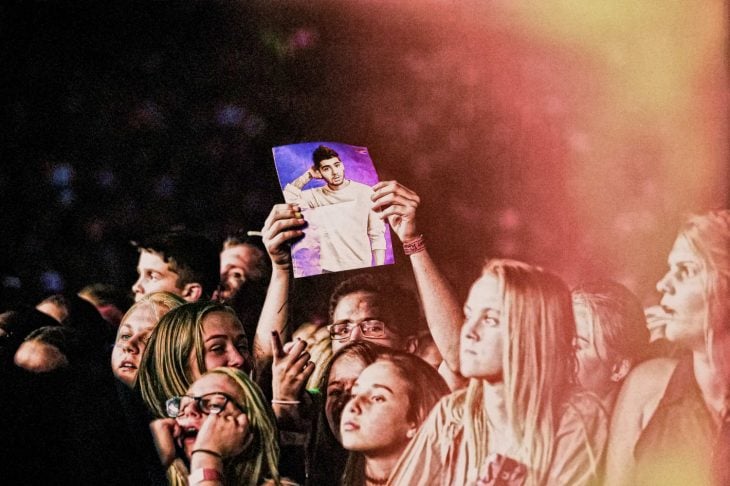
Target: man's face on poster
333 172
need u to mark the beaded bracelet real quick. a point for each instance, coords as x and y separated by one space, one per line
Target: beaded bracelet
416 245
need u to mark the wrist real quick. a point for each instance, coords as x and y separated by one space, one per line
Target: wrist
204 474
414 245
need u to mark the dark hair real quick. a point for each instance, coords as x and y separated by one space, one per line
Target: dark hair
65 339
326 456
192 256
424 387
323 153
18 324
400 307
106 294
620 316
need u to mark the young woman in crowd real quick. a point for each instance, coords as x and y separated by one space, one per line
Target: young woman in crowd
390 400
612 336
222 429
521 416
134 330
188 341
671 417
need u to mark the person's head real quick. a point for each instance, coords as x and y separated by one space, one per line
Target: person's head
230 392
366 308
696 288
518 336
16 325
72 311
242 261
519 327
49 348
182 263
188 341
390 400
110 301
328 164
611 334
134 330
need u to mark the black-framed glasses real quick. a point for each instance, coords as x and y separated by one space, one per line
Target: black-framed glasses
209 403
371 328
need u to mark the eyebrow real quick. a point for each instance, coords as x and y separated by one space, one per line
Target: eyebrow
383 387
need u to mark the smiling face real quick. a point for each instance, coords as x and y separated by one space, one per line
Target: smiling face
483 332
683 296
343 374
224 342
374 421
333 172
131 342
191 418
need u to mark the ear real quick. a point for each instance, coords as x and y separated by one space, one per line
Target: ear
411 432
411 345
620 370
192 292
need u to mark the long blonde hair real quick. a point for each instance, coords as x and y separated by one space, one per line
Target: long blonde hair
538 365
165 369
708 235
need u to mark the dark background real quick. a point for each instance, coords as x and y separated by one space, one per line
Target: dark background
123 118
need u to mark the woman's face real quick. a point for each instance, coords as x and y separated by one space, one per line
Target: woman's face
131 342
594 370
224 344
191 418
375 421
343 374
683 296
483 332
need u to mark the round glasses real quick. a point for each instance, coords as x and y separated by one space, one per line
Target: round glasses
209 403
371 328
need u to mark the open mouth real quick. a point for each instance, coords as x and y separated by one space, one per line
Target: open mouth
127 365
188 436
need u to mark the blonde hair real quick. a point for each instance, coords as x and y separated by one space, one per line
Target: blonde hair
538 365
708 235
157 304
165 369
260 460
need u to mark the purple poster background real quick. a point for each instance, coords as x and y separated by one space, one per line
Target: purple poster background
291 162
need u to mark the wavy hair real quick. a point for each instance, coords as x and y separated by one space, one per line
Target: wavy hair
165 369
539 365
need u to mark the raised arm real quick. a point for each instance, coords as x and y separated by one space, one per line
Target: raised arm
282 225
398 204
293 190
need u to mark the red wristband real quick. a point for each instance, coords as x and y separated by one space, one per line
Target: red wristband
204 474
415 245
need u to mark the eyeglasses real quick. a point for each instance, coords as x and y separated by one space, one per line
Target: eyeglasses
209 403
371 328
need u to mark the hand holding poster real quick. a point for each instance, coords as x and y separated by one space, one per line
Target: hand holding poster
331 184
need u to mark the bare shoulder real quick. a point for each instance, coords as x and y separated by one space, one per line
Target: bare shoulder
649 377
644 388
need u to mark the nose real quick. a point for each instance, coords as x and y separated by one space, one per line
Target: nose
235 359
189 414
137 287
468 330
354 405
356 334
133 345
665 285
